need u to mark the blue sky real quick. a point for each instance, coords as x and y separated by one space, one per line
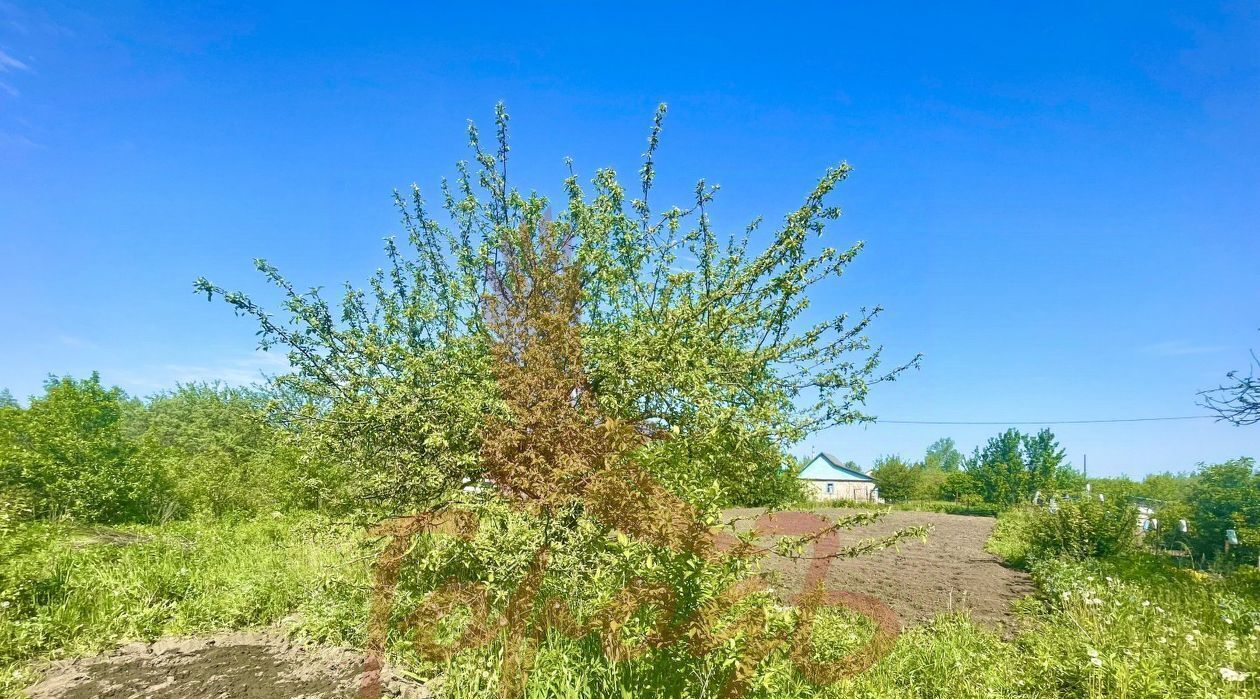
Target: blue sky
1059 201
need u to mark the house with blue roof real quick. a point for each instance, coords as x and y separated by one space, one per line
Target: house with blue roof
827 478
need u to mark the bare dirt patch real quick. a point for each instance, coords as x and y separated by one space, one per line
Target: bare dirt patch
256 665
950 571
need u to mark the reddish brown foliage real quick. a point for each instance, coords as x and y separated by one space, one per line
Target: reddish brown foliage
553 442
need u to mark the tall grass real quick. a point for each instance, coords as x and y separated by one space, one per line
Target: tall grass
1011 537
1137 627
943 506
68 590
1131 625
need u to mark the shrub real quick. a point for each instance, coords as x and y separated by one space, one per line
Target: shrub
897 480
70 454
94 454
1083 529
972 508
975 509
222 453
401 375
1226 496
15 507
1012 535
931 484
1167 534
961 486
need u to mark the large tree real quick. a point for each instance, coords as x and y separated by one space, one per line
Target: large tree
695 334
896 479
943 454
1013 467
1226 496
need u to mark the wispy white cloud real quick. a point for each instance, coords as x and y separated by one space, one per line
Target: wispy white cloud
8 63
77 342
236 371
1181 348
31 21
16 141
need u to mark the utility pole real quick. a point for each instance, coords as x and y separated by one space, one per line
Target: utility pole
1085 470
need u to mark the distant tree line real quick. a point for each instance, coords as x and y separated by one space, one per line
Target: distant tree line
1011 468
94 453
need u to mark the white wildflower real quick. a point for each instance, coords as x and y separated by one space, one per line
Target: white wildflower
1146 603
1229 674
1096 661
1230 644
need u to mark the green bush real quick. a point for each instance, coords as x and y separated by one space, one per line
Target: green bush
896 479
70 455
93 454
1085 528
1012 535
16 506
961 486
1226 496
1168 534
222 453
976 509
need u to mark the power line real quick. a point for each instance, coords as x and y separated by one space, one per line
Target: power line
1043 422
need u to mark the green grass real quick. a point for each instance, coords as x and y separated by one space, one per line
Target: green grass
943 506
1135 627
1010 538
67 590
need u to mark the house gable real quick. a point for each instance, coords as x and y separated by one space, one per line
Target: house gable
826 467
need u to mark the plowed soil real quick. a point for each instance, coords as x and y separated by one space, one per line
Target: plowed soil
950 571
227 666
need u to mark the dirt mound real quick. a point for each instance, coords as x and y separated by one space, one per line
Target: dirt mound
258 665
950 571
